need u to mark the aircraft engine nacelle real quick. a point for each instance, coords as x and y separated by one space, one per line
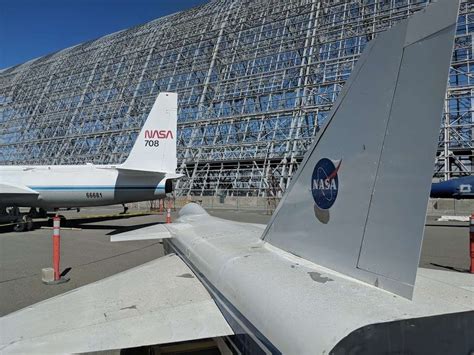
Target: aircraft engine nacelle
165 187
168 186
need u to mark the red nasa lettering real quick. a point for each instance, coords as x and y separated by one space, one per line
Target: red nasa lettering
160 134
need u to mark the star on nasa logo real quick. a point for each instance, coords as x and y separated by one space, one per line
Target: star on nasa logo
325 183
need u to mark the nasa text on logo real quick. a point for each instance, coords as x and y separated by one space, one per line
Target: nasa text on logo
153 136
325 183
160 134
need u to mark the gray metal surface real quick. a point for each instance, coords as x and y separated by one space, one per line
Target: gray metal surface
429 21
384 172
92 257
394 227
157 231
155 303
277 300
300 307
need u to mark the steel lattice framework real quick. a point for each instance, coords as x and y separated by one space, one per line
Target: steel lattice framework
255 78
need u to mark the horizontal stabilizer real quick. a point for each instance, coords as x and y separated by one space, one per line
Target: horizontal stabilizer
158 231
148 172
155 303
138 172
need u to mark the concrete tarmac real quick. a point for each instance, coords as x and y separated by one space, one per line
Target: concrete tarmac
88 251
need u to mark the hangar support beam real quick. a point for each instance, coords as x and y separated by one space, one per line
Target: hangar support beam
256 80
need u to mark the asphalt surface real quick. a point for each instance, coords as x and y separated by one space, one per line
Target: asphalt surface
85 247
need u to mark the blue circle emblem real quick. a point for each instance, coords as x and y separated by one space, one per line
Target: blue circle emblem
325 183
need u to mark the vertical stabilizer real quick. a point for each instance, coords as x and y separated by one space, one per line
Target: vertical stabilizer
358 201
155 147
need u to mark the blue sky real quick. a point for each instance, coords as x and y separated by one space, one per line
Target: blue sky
33 28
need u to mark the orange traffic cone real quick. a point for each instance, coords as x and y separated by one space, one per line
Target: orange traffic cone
58 277
56 247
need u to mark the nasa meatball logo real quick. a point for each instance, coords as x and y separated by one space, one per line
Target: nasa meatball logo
325 183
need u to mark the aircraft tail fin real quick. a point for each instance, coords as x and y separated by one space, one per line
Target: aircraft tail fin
155 147
358 202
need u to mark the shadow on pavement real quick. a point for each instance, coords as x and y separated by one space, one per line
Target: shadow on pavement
88 223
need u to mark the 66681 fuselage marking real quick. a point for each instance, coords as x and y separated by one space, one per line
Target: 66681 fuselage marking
93 194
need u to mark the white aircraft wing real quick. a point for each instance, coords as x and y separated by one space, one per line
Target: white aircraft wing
155 303
157 231
11 189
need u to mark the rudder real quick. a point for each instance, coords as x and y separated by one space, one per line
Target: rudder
358 201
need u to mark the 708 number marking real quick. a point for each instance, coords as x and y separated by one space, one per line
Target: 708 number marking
152 143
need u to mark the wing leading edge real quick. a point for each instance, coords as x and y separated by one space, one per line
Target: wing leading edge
158 231
10 189
155 303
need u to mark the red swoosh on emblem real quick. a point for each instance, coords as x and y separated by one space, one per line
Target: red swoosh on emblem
334 173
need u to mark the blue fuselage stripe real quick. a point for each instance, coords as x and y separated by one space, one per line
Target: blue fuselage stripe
96 187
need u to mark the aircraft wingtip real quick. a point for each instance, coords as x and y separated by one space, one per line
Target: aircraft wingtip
436 17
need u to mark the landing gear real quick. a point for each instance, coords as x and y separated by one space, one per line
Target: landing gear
23 223
28 222
14 215
19 226
41 213
125 209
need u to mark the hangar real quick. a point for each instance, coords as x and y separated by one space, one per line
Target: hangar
255 79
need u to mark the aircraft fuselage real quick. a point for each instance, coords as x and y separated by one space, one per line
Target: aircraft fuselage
279 303
65 186
460 188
